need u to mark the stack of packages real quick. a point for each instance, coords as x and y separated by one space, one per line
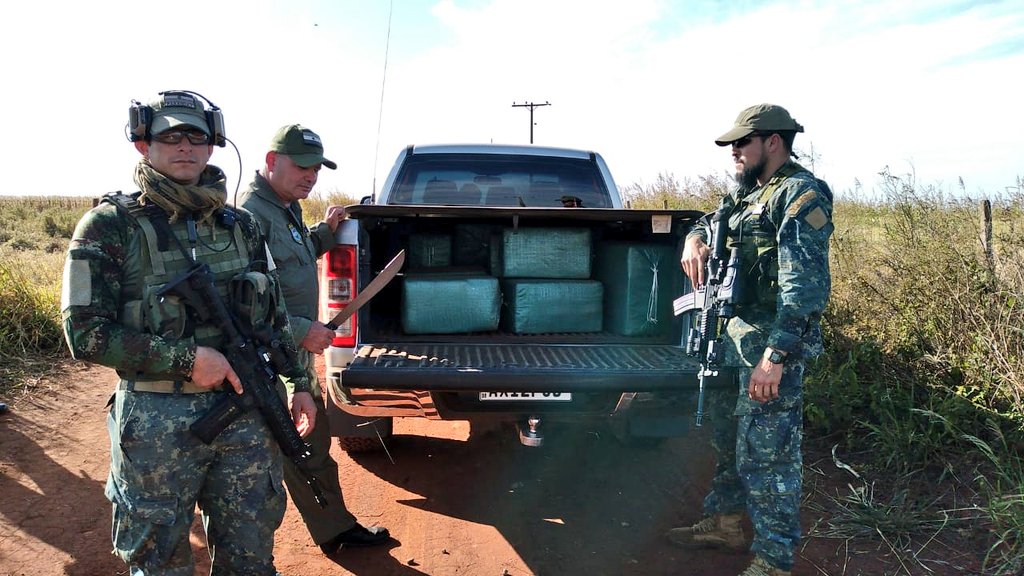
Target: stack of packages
541 280
440 298
545 280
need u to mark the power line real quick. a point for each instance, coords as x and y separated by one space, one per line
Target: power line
531 106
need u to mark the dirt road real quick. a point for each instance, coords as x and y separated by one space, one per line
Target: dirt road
581 505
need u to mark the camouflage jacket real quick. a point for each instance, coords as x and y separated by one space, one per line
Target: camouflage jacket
102 274
789 221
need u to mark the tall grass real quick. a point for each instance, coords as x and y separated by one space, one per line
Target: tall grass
314 207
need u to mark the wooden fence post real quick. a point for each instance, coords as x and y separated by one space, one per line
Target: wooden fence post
986 235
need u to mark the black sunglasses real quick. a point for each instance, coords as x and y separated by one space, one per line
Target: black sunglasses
746 139
175 136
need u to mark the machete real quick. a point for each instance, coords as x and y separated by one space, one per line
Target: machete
375 285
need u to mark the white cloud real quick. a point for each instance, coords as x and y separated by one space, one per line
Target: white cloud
647 83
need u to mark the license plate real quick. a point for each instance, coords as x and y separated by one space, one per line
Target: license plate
548 396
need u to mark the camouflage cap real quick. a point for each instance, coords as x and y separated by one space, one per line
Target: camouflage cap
302 145
760 118
175 109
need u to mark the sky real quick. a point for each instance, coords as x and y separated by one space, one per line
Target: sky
930 90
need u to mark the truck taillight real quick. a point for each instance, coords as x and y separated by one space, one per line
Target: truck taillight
340 277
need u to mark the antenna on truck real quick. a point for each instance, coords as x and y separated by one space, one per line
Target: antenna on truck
380 109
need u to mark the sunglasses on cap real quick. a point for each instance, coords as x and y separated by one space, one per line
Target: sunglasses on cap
195 137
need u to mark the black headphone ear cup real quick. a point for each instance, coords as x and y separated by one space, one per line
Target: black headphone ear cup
139 119
215 120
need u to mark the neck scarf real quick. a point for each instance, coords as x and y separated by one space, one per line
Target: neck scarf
199 201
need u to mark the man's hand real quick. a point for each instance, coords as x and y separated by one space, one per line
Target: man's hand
318 338
764 381
333 216
695 256
211 369
303 409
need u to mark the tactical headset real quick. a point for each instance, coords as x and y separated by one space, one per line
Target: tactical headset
140 116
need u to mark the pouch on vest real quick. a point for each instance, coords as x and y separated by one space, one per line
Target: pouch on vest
252 296
165 316
761 259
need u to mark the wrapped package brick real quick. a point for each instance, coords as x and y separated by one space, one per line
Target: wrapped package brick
536 305
427 250
640 281
450 303
541 253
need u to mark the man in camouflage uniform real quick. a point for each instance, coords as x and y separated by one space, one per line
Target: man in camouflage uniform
782 216
171 372
290 172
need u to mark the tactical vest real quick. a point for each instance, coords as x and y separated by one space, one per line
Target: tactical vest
751 224
153 260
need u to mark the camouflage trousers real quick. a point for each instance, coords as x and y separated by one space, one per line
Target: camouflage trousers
327 522
159 473
759 466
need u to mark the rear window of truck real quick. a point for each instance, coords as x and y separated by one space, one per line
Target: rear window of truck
500 180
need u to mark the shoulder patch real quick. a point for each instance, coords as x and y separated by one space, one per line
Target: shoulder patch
799 203
816 218
76 290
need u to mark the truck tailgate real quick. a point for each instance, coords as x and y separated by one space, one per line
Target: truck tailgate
521 367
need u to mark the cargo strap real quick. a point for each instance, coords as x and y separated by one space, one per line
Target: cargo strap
164 386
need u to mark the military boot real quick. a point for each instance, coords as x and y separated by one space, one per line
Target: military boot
761 567
718 531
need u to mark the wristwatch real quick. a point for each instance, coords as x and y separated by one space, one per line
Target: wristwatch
774 356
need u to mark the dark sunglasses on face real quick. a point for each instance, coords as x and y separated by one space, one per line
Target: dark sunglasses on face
175 136
746 139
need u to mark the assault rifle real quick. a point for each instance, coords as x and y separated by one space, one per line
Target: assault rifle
716 300
256 359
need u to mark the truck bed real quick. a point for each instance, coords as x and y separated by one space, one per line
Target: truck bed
500 360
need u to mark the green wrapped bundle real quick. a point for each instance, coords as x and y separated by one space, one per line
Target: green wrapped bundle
537 306
450 303
472 244
640 281
542 253
430 250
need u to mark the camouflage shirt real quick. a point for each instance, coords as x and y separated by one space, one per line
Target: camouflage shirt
792 214
103 268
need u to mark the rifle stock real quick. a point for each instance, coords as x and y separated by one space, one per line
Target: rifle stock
257 367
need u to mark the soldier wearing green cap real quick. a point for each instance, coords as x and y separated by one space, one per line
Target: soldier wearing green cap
168 356
781 215
291 168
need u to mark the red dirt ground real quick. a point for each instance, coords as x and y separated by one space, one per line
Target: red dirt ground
581 505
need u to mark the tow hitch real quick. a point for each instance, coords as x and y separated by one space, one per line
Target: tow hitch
528 434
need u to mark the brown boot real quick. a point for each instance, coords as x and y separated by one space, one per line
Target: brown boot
761 567
718 531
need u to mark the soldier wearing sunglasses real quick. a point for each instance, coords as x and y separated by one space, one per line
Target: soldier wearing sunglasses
171 372
780 216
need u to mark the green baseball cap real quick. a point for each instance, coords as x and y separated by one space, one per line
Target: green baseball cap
174 109
760 118
302 145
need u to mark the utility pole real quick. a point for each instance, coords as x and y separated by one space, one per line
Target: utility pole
531 106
